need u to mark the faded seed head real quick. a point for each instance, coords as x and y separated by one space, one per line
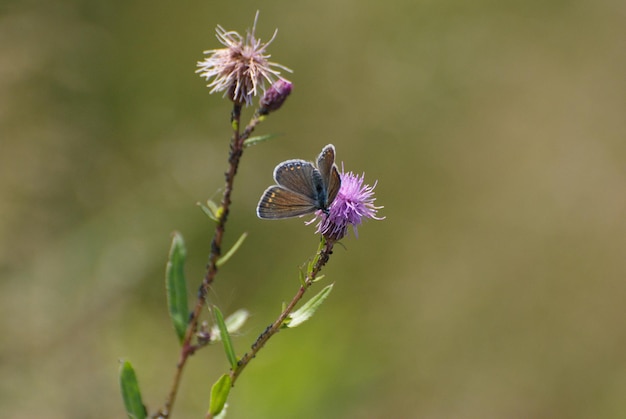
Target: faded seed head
242 68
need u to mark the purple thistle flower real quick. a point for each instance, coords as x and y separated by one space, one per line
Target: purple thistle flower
354 202
241 69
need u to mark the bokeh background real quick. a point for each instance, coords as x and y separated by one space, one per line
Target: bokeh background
495 288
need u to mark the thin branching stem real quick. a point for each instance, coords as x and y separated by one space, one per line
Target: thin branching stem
326 248
236 151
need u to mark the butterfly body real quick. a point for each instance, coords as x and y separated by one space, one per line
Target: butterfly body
301 187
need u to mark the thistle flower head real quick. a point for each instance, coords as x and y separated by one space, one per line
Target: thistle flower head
354 202
242 68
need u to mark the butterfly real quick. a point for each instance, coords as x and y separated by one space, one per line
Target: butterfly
301 187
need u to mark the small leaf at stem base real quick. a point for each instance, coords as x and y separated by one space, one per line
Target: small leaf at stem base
176 286
228 344
231 251
219 394
257 139
130 392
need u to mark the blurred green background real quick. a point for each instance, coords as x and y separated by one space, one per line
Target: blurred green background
495 287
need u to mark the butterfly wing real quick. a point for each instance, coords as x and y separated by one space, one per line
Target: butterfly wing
299 176
334 184
279 202
330 174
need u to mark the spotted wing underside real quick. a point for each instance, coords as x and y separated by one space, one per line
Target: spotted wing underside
278 202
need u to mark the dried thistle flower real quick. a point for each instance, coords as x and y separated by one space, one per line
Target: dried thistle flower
242 68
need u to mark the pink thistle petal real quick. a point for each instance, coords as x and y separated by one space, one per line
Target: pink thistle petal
353 204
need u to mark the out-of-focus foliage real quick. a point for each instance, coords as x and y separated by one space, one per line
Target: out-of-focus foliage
176 286
494 289
129 387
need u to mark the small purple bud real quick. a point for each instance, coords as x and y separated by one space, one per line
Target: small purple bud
275 96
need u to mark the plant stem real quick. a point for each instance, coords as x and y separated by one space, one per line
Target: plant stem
236 151
326 248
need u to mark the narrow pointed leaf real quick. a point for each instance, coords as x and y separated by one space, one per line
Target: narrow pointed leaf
208 210
302 278
316 258
308 309
318 278
219 394
176 286
233 323
228 344
232 250
258 139
130 392
214 208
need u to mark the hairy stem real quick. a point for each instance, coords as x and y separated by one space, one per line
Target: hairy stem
234 158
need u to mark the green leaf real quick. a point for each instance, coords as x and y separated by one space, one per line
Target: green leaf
219 394
131 393
318 278
228 344
302 278
231 251
176 286
308 309
233 323
211 209
258 139
313 262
